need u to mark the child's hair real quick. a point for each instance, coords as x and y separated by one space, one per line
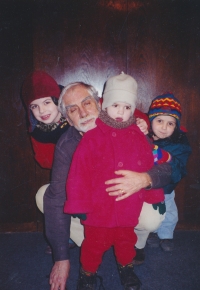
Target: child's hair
166 105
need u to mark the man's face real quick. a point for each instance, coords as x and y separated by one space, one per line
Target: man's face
81 109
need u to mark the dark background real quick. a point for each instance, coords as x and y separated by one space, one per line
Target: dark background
155 41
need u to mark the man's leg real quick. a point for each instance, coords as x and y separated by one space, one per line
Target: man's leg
39 197
149 221
76 229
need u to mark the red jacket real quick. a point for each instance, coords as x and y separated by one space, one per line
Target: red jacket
102 151
44 144
44 153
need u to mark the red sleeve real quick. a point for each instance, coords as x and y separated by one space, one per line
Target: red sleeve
44 153
141 115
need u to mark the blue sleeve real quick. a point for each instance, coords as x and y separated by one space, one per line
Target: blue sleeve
180 153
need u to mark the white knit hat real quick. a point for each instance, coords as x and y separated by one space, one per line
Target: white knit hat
120 88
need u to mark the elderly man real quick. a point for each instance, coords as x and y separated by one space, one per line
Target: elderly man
80 104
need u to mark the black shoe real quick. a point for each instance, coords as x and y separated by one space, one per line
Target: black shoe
86 280
139 257
153 240
129 279
167 245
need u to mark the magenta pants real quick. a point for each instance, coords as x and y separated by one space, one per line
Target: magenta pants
98 240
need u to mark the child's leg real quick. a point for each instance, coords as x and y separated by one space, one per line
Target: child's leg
124 242
166 230
96 242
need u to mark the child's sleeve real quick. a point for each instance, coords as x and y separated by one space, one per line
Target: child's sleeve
160 155
180 153
141 115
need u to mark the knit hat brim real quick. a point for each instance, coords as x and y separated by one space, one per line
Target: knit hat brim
119 96
120 88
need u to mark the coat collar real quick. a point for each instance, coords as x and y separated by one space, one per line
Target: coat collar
105 128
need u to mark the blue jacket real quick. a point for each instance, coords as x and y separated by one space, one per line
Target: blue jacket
180 151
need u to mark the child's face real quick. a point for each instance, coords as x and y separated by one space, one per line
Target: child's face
45 110
163 126
119 111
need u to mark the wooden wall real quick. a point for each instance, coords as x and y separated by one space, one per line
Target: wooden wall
155 41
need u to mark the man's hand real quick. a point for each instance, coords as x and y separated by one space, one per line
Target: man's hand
59 275
130 183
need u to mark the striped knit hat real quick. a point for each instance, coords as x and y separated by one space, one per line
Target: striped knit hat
165 104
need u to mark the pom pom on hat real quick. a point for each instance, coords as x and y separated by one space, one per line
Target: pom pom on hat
120 88
37 85
165 104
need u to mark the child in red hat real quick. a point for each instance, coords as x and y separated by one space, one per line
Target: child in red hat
40 93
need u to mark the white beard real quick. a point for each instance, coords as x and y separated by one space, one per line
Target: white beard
84 128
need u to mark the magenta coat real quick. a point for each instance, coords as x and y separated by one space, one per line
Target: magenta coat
100 153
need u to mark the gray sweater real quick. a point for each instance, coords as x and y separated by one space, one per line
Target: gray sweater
57 224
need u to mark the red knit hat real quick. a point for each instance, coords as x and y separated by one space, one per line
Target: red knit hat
37 85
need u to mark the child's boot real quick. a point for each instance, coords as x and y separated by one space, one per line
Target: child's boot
86 280
167 245
153 240
129 279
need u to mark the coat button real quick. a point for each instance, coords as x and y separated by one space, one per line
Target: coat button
114 134
120 164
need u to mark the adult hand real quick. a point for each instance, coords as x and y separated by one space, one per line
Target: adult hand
129 183
59 275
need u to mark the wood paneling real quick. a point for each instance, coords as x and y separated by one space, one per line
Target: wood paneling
157 42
